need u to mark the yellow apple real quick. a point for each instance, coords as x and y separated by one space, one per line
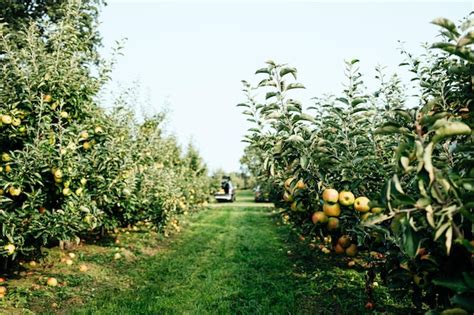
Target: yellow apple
332 210
52 282
361 204
346 198
9 248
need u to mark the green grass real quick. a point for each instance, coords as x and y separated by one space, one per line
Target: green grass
230 260
234 258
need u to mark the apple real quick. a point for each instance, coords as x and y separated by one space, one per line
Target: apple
338 249
72 255
300 184
16 122
83 268
351 250
346 198
376 210
333 224
319 217
361 204
6 157
6 119
332 210
344 241
52 282
69 262
57 173
84 135
117 256
330 195
47 98
9 248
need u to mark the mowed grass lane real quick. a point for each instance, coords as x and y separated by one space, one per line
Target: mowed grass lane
230 260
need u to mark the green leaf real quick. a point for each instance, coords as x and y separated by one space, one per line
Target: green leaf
295 86
263 70
449 239
405 162
466 39
304 161
456 284
410 240
343 100
307 117
266 82
270 62
292 108
284 71
357 101
450 129
357 110
404 113
387 130
295 138
446 24
464 300
271 94
441 230
469 279
274 115
398 186
427 162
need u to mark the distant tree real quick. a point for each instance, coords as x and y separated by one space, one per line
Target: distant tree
20 14
194 160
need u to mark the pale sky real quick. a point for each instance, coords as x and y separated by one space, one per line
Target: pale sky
191 55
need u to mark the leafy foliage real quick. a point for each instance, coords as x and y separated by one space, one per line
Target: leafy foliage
414 163
70 168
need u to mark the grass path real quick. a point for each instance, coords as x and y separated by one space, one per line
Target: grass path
229 260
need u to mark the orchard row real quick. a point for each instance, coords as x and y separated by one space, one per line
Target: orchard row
69 168
364 171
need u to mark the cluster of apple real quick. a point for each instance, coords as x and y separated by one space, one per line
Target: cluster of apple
291 194
333 204
333 200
